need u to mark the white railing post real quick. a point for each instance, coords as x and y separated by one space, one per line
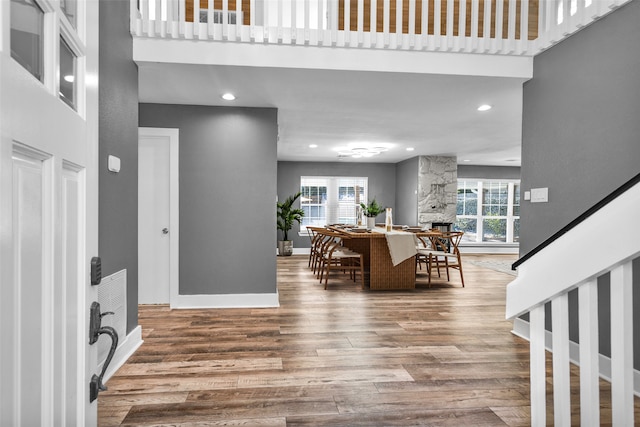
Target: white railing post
561 382
424 26
622 345
538 371
589 353
461 40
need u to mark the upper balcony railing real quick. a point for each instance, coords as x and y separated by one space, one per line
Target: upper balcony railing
508 27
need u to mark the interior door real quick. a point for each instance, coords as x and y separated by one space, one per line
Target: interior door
157 215
48 219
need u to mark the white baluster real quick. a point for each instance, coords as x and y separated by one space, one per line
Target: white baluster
461 40
412 22
360 22
473 45
424 26
385 23
373 24
538 370
182 17
347 21
622 345
144 11
589 354
524 26
511 27
485 42
399 16
437 25
449 25
497 46
561 382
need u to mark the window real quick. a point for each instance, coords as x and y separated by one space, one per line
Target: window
27 35
67 74
69 8
331 200
488 211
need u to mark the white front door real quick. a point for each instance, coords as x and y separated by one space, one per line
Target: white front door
157 215
48 211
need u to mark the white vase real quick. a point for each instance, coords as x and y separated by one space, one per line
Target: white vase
371 222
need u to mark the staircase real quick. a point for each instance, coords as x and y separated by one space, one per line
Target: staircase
574 259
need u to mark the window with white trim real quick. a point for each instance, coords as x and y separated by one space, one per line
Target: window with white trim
488 211
330 199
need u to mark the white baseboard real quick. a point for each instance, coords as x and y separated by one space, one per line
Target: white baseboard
125 349
227 301
521 329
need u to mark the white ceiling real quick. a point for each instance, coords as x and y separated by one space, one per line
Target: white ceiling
434 114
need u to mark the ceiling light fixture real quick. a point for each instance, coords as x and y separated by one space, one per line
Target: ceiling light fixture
228 97
69 78
358 151
313 145
410 148
484 107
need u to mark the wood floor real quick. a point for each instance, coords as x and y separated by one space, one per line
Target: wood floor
442 356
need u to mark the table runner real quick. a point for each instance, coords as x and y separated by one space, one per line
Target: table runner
402 245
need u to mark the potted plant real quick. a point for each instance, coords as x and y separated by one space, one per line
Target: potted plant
286 215
371 211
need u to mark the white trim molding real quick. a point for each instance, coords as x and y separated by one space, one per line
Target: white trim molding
227 301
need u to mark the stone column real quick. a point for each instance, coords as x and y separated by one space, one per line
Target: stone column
437 189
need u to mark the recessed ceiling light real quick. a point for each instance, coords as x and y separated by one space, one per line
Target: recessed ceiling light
313 145
484 107
410 148
228 97
69 78
466 160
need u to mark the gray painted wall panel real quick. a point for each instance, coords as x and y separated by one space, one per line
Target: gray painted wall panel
407 192
581 127
118 136
227 196
382 184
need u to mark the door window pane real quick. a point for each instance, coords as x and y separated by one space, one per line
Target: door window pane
67 75
27 34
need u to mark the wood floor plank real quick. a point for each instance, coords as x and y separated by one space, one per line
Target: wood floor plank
439 356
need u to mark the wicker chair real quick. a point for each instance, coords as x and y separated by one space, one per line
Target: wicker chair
445 248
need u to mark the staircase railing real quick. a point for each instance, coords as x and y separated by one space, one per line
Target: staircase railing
510 27
573 259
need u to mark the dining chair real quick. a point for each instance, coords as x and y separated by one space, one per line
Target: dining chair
338 257
445 248
315 236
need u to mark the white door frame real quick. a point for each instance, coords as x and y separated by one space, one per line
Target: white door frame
174 204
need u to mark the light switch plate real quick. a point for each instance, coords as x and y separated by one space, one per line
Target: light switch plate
540 195
527 195
114 164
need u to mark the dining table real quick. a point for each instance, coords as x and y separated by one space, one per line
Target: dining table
388 256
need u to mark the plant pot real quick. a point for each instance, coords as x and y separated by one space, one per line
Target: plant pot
285 247
371 222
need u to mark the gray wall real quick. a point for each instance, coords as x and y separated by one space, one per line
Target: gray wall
581 137
118 136
406 212
581 127
382 184
488 172
227 196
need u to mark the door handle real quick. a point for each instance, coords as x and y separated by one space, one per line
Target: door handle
165 231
